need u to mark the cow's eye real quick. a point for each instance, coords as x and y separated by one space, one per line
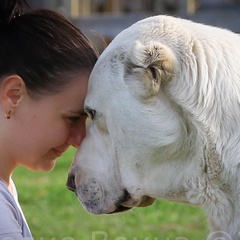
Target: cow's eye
91 113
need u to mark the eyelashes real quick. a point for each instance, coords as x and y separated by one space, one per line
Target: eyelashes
90 113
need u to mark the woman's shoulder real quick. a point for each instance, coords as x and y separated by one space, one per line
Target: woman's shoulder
12 222
4 192
7 202
9 214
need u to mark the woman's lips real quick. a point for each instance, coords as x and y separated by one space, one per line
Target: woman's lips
60 150
57 152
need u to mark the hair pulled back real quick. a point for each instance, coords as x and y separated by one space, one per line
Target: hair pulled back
41 46
10 9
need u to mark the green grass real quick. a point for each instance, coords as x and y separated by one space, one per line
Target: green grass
54 213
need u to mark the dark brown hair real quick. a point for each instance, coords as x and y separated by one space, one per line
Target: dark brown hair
41 46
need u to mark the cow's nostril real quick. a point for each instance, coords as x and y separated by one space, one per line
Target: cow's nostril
71 182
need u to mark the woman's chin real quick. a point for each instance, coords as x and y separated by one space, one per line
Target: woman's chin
43 166
49 165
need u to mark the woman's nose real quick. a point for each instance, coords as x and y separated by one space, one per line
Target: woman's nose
76 136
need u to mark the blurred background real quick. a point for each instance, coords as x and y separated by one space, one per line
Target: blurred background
104 19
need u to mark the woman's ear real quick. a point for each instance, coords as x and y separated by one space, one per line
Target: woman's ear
12 91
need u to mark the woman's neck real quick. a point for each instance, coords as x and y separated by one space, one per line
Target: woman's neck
6 170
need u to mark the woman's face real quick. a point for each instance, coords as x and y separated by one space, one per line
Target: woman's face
43 129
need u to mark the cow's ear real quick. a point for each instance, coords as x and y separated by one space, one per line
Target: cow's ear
150 65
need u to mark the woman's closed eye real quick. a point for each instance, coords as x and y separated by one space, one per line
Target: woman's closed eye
73 119
77 118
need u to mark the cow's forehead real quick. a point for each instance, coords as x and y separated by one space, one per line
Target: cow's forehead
107 75
105 78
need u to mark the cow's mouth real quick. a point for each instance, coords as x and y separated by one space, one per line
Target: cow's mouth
121 201
120 209
126 202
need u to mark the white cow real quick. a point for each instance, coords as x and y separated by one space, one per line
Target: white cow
164 98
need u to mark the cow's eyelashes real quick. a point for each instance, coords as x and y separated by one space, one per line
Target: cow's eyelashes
91 113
